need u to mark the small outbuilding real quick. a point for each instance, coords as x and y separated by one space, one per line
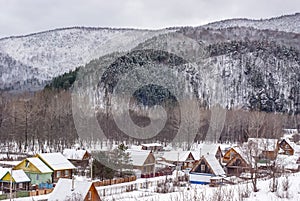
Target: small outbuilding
18 178
70 189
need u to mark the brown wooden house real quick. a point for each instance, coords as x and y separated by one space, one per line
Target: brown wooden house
142 160
268 148
61 166
236 161
286 148
68 189
79 158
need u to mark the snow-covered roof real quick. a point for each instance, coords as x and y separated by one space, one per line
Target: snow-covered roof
264 144
40 165
74 154
214 164
56 161
293 145
181 156
10 163
242 151
19 176
290 131
152 145
165 163
63 190
138 157
205 149
3 172
135 147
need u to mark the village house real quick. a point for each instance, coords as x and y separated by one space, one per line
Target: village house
36 170
267 148
184 159
206 168
61 167
143 161
208 149
79 158
68 189
19 179
286 147
236 161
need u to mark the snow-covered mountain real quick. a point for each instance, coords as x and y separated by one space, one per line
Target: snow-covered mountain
45 55
286 23
30 62
236 74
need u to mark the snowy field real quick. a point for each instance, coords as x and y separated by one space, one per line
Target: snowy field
196 192
229 192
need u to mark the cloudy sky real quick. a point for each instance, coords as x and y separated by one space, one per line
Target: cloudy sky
18 17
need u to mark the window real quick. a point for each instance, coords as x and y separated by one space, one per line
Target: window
202 167
66 173
58 174
37 177
90 195
27 164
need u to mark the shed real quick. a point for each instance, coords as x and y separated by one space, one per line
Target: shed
68 189
19 179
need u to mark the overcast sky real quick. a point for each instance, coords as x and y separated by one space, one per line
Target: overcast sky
18 17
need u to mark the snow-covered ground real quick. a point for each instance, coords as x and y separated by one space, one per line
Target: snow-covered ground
229 192
195 192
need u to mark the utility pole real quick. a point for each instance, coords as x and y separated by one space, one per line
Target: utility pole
10 185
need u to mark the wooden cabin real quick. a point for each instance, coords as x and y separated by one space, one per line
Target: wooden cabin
236 161
36 170
68 189
286 148
60 165
79 158
142 160
268 148
206 168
